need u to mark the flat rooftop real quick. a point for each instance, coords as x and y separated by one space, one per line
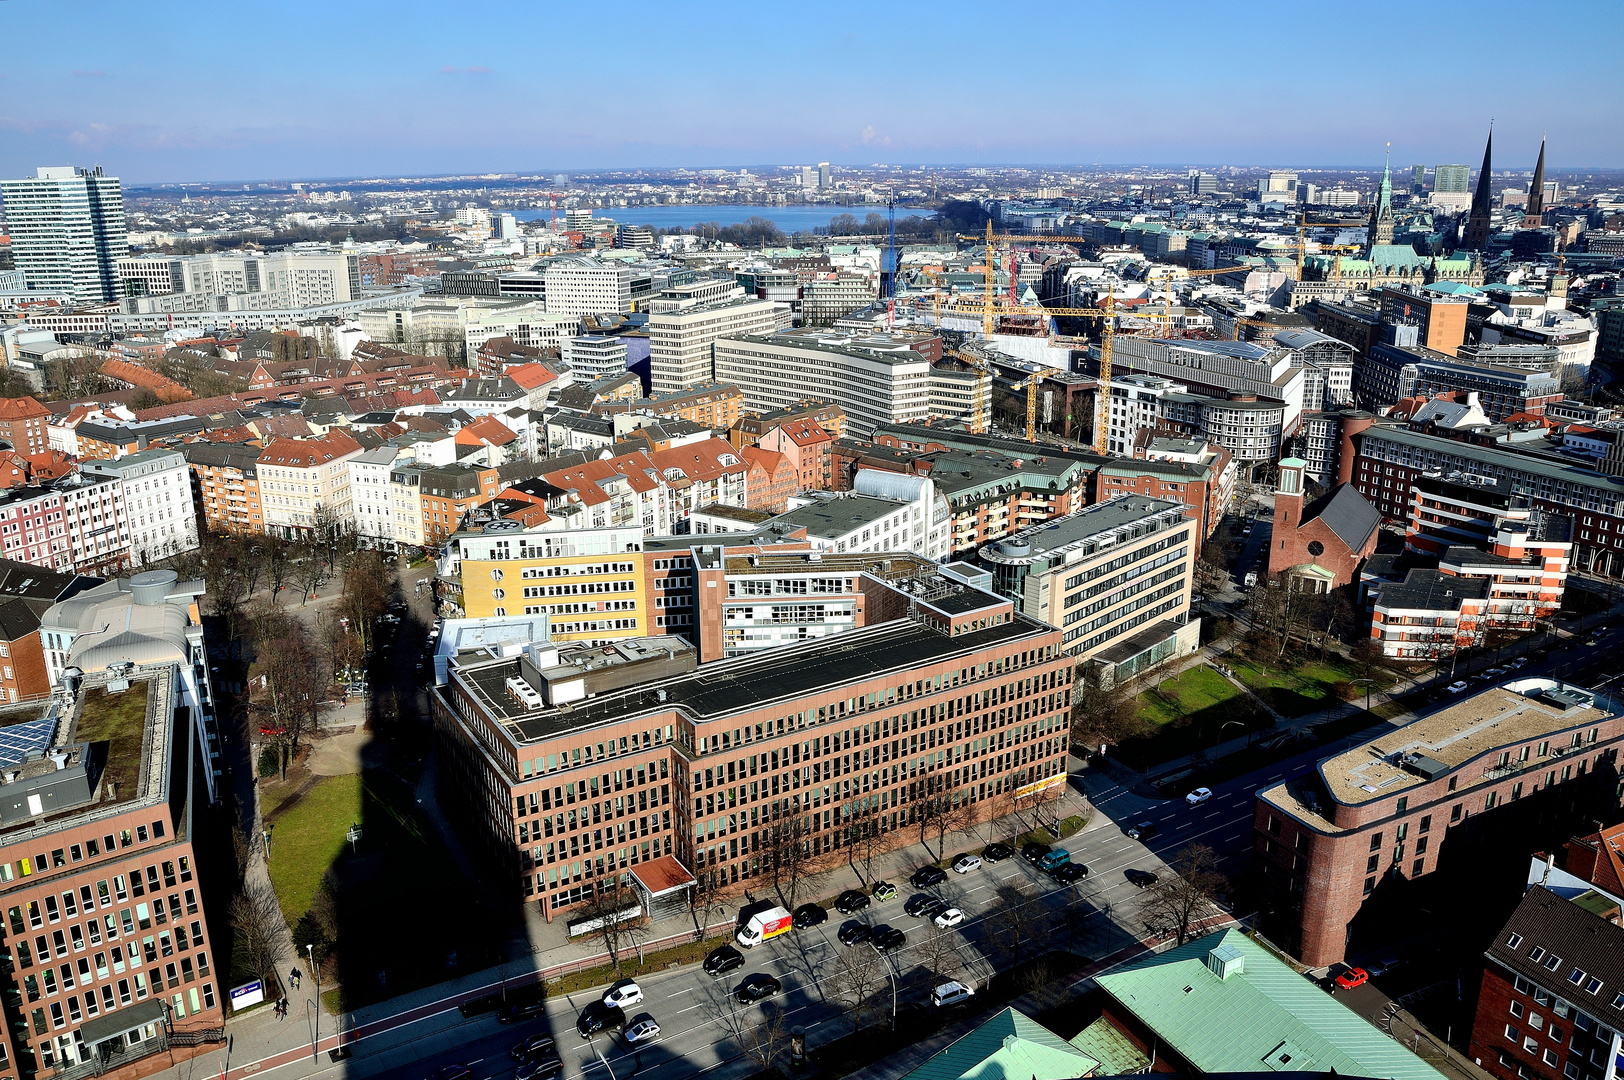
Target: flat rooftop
1456 738
840 516
726 687
1091 529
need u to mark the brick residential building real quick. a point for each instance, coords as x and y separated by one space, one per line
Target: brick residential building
1552 988
772 480
807 445
26 594
752 426
225 484
22 424
1405 820
639 765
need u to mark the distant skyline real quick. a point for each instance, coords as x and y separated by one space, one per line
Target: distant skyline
299 90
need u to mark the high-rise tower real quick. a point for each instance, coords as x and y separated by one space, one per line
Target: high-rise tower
1381 215
67 231
1535 217
1477 222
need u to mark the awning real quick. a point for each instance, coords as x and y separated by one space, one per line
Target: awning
662 876
126 1019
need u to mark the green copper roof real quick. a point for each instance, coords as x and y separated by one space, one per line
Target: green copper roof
1394 255
1009 1046
1263 1016
1117 1055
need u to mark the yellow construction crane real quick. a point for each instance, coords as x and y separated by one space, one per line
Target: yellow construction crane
1303 225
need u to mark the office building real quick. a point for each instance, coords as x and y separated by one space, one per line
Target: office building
67 231
1203 183
682 341
872 386
1452 179
299 279
1115 577
1354 843
1393 372
825 179
579 286
1278 186
593 356
819 746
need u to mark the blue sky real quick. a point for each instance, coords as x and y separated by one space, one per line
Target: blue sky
289 89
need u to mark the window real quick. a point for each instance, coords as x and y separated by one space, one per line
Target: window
1549 1057
1536 954
1517 1009
1553 962
1511 1033
1576 977
1514 941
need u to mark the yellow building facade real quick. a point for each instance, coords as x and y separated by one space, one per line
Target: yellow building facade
588 582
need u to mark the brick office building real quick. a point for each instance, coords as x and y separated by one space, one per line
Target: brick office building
568 767
1341 846
1552 990
109 947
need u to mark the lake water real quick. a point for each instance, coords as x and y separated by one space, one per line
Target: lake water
792 219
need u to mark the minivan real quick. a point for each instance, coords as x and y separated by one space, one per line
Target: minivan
1054 859
950 993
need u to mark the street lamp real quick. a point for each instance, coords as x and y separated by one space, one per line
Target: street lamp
1367 683
315 1031
1221 727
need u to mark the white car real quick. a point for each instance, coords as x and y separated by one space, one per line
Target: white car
966 863
949 918
645 1030
1198 796
1458 686
623 994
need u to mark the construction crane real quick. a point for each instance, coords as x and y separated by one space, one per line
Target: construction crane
1030 384
1303 225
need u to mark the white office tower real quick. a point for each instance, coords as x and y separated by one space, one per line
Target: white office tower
592 356
682 343
67 231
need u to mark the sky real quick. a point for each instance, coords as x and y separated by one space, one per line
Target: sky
291 89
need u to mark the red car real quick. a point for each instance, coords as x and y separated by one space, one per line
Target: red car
1351 978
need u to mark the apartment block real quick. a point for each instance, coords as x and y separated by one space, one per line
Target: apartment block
573 769
1356 842
157 489
306 482
23 423
225 486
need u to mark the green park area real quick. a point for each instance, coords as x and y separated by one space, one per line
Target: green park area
1188 696
309 837
1300 685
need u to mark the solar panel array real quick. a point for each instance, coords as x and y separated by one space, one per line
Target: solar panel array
19 742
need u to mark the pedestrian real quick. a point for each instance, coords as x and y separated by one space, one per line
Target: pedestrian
293 977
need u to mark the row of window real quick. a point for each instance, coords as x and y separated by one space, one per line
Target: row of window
90 849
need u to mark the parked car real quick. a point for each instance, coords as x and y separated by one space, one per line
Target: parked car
453 1072
1069 872
997 852
723 960
539 1043
950 993
597 1017
809 915
1458 686
850 902
855 933
883 891
1034 853
522 1008
966 863
949 918
926 876
887 938
1198 796
1351 978
1140 879
646 1029
917 905
623 994
757 987
1142 830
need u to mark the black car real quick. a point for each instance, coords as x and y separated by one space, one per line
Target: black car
918 903
1142 830
549 1067
997 852
1068 872
536 1045
598 1016
887 938
522 1009
855 933
850 902
723 960
757 987
926 876
1139 879
809 915
1034 853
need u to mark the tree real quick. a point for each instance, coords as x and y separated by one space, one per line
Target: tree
942 809
1189 895
865 839
858 976
611 917
278 563
308 570
1275 609
1012 922
256 921
939 952
287 678
1101 715
758 1035
366 594
785 855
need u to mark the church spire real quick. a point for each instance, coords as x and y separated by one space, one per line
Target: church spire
1477 223
1535 217
1381 215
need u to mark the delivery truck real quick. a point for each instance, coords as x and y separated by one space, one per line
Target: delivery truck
760 921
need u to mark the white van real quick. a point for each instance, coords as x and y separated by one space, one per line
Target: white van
951 993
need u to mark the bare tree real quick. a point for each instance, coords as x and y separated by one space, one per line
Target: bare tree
257 922
287 677
785 855
859 974
278 563
866 840
1275 610
611 916
1188 895
939 952
758 1034
1102 715
1013 922
366 594
942 809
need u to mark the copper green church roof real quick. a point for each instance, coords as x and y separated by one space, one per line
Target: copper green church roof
1010 1046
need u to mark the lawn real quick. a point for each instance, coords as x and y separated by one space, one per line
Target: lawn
120 720
1196 689
1298 687
307 839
